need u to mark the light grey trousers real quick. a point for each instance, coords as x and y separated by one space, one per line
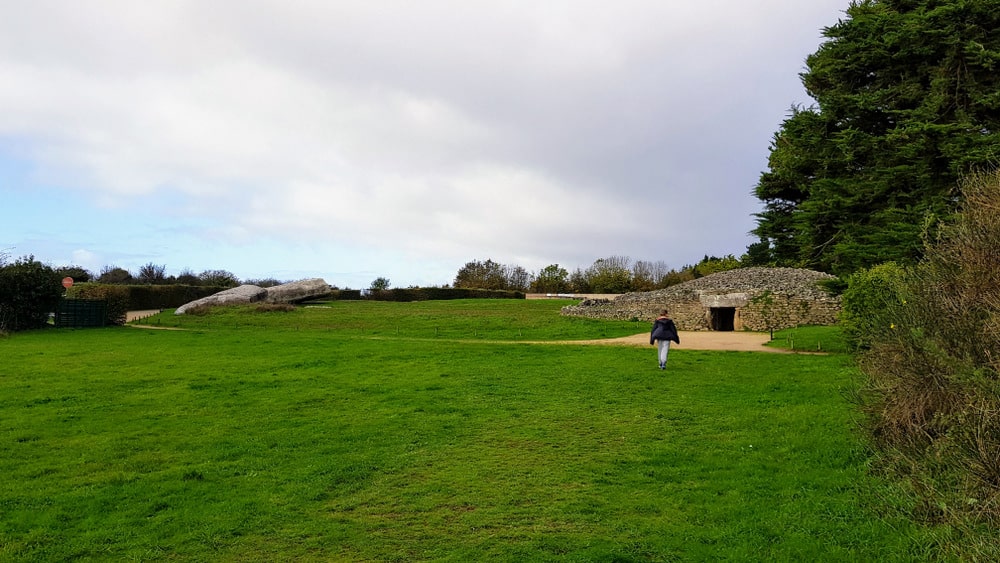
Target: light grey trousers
663 347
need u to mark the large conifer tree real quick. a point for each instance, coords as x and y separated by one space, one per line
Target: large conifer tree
907 100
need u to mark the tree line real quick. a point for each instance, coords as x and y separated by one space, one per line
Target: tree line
614 274
156 274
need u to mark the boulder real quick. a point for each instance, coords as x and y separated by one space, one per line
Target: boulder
236 296
297 291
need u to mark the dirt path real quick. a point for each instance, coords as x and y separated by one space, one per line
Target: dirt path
700 340
136 315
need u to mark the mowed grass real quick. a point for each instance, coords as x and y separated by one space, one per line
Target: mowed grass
322 435
822 339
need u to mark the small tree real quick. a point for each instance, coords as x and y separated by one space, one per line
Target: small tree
152 274
712 265
114 275
220 278
610 275
483 275
187 277
78 273
579 282
517 278
551 279
379 284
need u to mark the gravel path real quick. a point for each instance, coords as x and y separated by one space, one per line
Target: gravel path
700 340
136 315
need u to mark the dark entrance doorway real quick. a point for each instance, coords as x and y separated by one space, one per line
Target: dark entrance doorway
723 318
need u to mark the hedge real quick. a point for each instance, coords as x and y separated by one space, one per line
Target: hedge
440 294
140 297
144 297
344 295
29 291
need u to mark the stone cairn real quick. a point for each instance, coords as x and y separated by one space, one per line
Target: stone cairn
763 298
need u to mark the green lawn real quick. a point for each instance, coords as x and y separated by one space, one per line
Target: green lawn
823 339
425 431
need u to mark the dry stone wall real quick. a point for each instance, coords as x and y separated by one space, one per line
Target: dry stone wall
758 299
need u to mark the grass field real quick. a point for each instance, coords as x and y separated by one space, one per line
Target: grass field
425 431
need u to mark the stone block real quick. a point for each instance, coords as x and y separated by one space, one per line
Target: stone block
241 295
297 291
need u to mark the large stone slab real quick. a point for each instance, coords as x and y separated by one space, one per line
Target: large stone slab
297 291
236 296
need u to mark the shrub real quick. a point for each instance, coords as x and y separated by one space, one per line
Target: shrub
870 303
932 396
29 291
114 275
78 273
222 278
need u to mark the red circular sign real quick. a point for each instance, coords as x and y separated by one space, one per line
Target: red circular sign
67 282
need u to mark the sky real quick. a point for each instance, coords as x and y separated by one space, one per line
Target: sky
353 140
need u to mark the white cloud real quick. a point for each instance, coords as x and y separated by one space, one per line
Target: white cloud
542 132
86 260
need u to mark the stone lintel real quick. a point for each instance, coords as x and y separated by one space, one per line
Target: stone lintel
725 300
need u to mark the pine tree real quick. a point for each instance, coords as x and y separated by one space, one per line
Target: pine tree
907 101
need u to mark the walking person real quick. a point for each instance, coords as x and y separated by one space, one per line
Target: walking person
664 331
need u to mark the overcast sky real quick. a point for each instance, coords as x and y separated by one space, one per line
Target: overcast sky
350 140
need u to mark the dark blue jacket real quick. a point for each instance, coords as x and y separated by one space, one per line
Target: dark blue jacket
664 329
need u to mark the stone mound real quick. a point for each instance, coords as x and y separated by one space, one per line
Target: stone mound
791 282
297 291
756 299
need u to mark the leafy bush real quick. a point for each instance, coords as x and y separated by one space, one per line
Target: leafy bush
219 277
115 275
871 302
78 273
29 291
932 396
